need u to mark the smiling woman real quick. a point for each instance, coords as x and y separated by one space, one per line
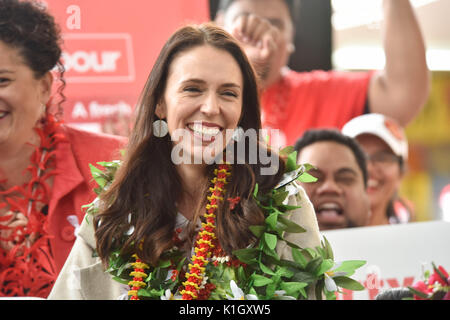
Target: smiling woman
189 87
181 230
44 171
203 98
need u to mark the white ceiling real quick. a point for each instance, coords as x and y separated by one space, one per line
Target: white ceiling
357 35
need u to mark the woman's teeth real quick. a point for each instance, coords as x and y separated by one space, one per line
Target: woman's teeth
329 207
372 183
203 130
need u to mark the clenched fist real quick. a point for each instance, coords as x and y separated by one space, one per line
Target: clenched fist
265 30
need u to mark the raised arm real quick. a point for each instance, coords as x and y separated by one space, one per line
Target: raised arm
401 89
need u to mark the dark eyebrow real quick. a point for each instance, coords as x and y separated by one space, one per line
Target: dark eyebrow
347 170
231 85
200 81
6 71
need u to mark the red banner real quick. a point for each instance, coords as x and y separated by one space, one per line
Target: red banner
109 49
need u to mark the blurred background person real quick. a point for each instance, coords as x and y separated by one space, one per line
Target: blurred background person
296 101
44 164
386 148
339 195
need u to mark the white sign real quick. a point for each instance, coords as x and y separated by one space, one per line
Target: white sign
396 255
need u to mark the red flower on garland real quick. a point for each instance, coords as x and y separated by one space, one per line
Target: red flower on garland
139 276
206 240
233 202
206 248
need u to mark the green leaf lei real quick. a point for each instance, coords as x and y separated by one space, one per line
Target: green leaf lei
256 272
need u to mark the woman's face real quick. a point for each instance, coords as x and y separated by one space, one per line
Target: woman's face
202 102
21 97
384 170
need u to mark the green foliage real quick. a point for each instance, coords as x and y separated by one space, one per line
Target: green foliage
348 283
265 274
350 266
103 178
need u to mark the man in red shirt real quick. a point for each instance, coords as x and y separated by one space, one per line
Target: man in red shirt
296 101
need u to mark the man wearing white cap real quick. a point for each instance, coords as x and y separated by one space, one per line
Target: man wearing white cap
386 147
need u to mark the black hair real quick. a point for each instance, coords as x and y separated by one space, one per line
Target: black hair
317 135
29 28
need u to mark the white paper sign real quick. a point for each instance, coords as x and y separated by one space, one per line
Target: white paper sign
396 255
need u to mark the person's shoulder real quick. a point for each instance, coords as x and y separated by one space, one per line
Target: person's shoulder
86 231
296 192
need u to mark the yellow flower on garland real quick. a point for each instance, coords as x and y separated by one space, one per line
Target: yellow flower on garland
206 237
139 276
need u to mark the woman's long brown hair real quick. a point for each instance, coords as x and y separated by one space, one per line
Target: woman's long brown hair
147 185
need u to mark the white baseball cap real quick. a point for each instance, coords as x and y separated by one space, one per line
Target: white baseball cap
381 126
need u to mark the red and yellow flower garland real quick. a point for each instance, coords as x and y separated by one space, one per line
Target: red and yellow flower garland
139 276
206 239
206 244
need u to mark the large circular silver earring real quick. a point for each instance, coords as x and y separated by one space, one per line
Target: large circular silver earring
160 128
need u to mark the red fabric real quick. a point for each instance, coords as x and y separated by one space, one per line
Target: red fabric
31 271
73 186
26 269
317 99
